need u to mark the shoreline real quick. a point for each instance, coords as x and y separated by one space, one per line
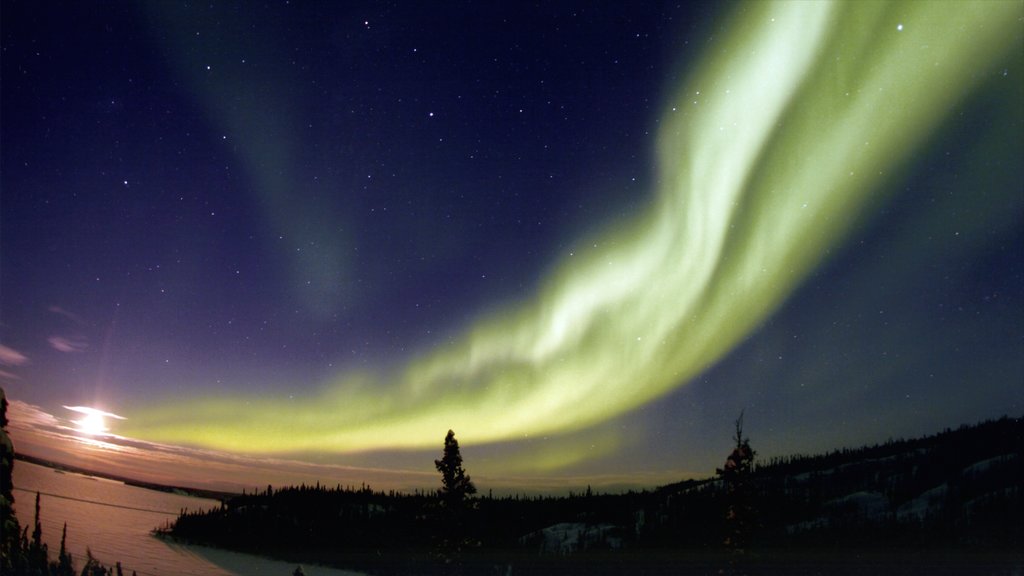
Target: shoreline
768 561
239 561
59 467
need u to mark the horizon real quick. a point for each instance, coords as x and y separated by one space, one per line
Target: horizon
295 473
50 441
310 239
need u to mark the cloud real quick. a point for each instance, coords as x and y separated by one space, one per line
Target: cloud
62 344
39 433
25 415
68 344
8 375
89 411
11 357
67 314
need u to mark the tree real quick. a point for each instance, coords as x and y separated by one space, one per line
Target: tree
92 565
739 467
38 552
456 485
65 565
11 557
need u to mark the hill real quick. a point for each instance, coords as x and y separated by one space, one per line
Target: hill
957 492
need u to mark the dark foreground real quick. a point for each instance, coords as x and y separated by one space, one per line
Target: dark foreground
806 562
952 503
782 563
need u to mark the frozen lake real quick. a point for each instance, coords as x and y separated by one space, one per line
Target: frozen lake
114 521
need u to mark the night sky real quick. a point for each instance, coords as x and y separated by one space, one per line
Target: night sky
584 235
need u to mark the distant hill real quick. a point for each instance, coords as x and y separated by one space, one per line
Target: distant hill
197 492
955 492
962 487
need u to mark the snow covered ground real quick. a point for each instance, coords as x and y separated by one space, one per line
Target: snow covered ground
568 537
249 565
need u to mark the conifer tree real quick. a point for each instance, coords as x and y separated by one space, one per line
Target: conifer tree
739 515
456 485
38 555
12 558
92 565
65 565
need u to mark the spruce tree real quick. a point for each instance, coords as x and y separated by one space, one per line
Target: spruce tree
456 485
92 565
12 558
736 476
38 555
65 565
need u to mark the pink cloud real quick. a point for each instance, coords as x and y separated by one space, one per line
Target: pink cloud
88 411
11 357
62 344
67 314
39 433
29 415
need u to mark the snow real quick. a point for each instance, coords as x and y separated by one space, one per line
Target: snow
870 504
568 537
984 465
249 565
920 507
807 525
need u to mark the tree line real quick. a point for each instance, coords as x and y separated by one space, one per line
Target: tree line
959 488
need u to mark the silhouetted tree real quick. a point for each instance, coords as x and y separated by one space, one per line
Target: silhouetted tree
65 565
739 467
299 571
11 558
92 566
456 485
38 554
20 555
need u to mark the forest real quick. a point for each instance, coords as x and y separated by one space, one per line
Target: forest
949 503
956 493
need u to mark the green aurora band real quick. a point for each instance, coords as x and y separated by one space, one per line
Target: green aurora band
777 143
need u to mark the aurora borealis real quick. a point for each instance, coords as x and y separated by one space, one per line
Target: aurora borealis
814 168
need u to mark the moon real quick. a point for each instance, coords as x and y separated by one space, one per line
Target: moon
93 424
94 421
